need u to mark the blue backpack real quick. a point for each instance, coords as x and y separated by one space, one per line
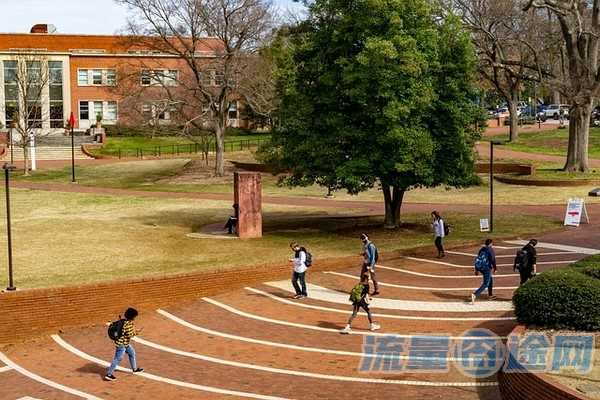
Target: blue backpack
482 262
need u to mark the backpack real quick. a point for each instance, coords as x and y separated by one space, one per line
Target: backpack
446 229
356 293
521 260
115 329
482 262
309 257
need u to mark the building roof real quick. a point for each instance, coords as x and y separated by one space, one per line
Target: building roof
101 44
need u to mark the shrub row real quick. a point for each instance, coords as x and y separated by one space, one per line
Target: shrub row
566 298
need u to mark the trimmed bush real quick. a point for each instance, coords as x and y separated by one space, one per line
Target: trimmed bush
565 298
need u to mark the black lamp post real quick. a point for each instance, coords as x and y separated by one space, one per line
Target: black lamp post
7 168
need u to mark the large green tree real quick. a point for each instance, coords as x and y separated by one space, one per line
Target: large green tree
378 92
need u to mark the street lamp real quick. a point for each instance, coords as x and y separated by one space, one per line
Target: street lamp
7 168
492 144
72 126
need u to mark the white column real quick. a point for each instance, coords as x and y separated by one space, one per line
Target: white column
32 151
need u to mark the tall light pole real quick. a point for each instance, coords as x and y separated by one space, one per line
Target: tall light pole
72 124
7 168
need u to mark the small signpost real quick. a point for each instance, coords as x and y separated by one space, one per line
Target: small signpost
575 212
484 225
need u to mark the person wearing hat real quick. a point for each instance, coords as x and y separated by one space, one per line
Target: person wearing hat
371 256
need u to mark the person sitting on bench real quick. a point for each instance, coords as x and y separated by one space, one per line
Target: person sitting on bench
232 221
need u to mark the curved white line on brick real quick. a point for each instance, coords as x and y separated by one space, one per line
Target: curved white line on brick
473 276
391 316
305 374
5 369
471 267
460 253
161 379
431 289
241 313
324 294
45 381
211 332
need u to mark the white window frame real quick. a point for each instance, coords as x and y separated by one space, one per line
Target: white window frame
90 76
92 110
164 77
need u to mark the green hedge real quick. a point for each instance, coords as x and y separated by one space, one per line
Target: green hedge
565 298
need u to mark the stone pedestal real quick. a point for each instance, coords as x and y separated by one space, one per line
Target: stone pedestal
248 196
99 135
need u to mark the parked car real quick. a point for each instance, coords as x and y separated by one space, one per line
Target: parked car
554 110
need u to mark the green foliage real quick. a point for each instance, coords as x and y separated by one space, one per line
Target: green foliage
375 92
565 298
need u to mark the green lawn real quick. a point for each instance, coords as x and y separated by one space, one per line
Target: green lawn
553 142
66 238
129 145
171 175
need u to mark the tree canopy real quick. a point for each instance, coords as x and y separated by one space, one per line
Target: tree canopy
378 92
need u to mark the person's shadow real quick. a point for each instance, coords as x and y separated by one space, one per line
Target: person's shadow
91 368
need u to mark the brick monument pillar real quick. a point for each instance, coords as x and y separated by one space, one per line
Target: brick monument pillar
248 197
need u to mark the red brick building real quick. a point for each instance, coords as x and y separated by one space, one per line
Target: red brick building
86 76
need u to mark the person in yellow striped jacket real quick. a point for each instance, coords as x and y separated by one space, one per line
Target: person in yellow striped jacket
123 345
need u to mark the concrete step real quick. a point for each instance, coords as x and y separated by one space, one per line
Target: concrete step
47 153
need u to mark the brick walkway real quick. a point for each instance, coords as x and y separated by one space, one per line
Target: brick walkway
259 343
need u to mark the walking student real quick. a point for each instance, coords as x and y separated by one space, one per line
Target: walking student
122 345
526 261
299 273
439 233
371 256
359 296
485 263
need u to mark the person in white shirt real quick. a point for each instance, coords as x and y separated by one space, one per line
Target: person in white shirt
299 273
438 228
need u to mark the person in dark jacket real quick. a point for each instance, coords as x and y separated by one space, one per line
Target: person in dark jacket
529 267
487 271
231 224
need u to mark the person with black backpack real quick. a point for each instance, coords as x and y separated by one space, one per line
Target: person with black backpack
371 256
121 332
359 296
302 261
440 231
526 260
485 263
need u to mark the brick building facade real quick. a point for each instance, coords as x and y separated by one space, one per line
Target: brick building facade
87 76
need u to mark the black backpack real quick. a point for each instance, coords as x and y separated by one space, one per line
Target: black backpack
115 329
309 257
521 260
446 229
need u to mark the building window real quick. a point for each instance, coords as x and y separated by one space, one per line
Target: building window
146 79
159 77
111 77
11 91
111 111
96 77
170 78
98 110
233 111
84 110
33 94
55 69
82 77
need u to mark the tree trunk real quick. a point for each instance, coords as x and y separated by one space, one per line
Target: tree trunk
393 197
25 160
556 97
220 148
579 129
514 120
